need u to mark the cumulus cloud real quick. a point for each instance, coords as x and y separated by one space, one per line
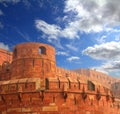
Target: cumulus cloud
55 31
51 30
114 65
105 51
73 58
94 16
110 53
3 46
85 16
110 67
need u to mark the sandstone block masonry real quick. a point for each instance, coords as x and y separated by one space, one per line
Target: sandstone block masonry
31 83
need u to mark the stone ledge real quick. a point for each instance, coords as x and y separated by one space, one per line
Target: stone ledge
50 108
14 109
26 109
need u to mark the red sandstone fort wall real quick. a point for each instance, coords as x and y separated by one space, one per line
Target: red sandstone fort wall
32 84
5 56
94 75
29 62
115 87
5 60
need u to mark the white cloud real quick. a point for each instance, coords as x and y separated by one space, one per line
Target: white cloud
52 30
113 65
117 39
61 19
94 15
62 53
110 53
102 39
105 51
110 67
85 16
73 58
55 31
3 46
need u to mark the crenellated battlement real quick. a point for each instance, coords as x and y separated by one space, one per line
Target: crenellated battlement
31 83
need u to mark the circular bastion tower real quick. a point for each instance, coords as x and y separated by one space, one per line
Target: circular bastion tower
33 60
30 84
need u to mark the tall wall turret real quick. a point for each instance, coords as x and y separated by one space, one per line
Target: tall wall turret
33 60
32 84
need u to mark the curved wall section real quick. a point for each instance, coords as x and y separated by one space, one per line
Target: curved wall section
33 60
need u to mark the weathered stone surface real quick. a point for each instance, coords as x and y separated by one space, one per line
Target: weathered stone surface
30 83
50 108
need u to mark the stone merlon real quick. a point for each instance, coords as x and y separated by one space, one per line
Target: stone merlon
31 83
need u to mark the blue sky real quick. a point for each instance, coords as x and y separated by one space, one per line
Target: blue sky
85 33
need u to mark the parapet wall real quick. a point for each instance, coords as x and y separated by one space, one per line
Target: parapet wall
34 50
102 78
32 84
25 96
63 72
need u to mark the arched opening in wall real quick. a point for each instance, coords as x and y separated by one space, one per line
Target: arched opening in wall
15 52
42 50
91 86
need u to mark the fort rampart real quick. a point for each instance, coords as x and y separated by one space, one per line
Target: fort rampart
31 83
